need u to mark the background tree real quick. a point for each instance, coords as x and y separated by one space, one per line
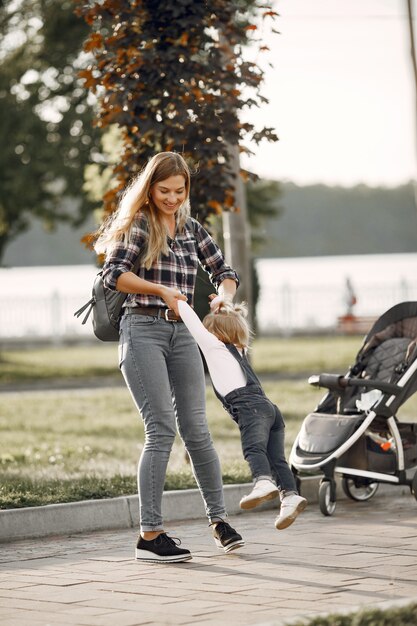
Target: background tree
45 116
262 197
173 77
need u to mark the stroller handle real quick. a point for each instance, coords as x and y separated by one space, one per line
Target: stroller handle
336 382
329 381
374 384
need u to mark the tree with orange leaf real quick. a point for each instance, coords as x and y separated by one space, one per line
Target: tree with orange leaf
172 76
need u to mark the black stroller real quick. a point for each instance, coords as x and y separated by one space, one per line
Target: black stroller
354 431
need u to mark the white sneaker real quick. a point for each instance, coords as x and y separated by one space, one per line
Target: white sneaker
263 490
291 506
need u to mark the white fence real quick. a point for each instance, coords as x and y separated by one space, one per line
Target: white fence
288 309
44 317
281 310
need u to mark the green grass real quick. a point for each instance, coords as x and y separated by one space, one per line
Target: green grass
62 446
54 444
270 355
401 616
307 355
73 445
85 361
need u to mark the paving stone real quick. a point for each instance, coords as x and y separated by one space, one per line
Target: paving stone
364 555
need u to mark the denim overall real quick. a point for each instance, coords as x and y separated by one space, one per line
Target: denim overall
261 426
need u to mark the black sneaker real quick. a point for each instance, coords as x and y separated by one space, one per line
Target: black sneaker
226 537
163 549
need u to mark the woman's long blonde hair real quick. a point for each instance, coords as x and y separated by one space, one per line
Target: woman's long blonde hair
229 324
136 199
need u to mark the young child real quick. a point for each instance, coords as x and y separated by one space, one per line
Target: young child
223 337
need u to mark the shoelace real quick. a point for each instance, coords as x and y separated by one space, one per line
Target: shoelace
222 528
171 541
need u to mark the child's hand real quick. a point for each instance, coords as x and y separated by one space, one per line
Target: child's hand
216 301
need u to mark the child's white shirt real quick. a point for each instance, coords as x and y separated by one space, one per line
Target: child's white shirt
225 372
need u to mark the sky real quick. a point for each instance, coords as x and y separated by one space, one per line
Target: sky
341 95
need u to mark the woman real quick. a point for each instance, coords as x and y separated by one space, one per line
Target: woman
158 357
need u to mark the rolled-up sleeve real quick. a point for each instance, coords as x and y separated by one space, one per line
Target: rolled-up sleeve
211 257
122 256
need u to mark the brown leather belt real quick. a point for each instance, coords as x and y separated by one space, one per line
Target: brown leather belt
157 311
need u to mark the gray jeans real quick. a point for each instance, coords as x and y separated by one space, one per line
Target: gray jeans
163 370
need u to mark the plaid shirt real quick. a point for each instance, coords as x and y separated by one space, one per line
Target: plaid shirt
178 269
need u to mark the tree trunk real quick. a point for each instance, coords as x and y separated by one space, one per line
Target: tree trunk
237 240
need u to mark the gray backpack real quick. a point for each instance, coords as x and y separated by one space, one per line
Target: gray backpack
106 307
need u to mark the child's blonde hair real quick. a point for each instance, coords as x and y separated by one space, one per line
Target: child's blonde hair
229 324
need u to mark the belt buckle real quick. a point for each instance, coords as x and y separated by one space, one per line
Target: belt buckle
167 319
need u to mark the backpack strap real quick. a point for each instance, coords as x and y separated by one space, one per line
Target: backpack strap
121 300
88 305
122 296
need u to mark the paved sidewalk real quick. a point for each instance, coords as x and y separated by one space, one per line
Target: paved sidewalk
365 555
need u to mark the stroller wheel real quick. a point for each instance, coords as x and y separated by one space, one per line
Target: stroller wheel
359 489
326 504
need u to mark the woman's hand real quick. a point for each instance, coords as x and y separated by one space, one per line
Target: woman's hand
217 300
227 291
171 296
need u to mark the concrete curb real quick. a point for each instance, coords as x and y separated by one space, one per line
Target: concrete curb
123 512
107 514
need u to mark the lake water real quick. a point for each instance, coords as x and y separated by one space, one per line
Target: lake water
311 291
295 293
